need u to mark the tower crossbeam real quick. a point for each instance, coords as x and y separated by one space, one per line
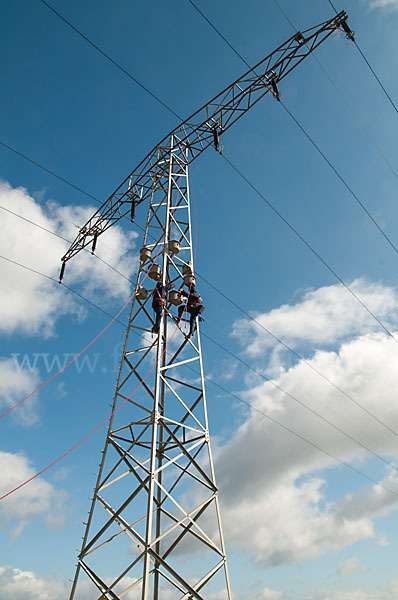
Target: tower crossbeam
204 128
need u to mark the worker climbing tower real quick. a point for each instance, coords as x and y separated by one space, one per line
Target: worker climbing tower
154 528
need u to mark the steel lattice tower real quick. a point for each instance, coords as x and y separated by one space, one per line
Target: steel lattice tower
154 521
156 487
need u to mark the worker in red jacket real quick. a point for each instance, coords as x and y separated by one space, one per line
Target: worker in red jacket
193 305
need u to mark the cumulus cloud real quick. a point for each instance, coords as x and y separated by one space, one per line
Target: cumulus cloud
322 318
351 566
289 524
273 484
14 385
16 584
260 469
386 4
25 585
389 592
37 499
31 304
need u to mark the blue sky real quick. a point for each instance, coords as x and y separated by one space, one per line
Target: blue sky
298 524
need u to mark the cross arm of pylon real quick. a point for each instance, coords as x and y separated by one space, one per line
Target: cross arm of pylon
203 129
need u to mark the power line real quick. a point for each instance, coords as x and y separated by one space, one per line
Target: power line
295 231
376 77
226 297
14 262
219 33
301 403
247 64
113 319
319 401
261 375
50 172
110 59
298 435
357 119
220 346
255 409
292 228
252 369
316 446
336 172
370 67
64 239
247 181
233 303
239 399
72 185
295 353
332 5
320 152
285 15
318 256
256 190
344 99
109 418
33 162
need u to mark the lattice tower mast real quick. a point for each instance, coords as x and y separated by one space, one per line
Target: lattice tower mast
154 520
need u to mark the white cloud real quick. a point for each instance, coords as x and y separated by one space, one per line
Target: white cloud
338 594
275 502
373 500
288 523
25 585
383 541
351 566
322 318
61 474
389 592
14 385
268 594
16 584
31 304
39 498
389 4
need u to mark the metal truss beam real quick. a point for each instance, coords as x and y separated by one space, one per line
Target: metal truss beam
203 129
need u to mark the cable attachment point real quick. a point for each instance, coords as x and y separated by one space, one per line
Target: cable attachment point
94 242
132 213
132 197
299 38
216 138
349 33
274 90
61 275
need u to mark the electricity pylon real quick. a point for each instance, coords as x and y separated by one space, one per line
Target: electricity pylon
156 485
154 527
